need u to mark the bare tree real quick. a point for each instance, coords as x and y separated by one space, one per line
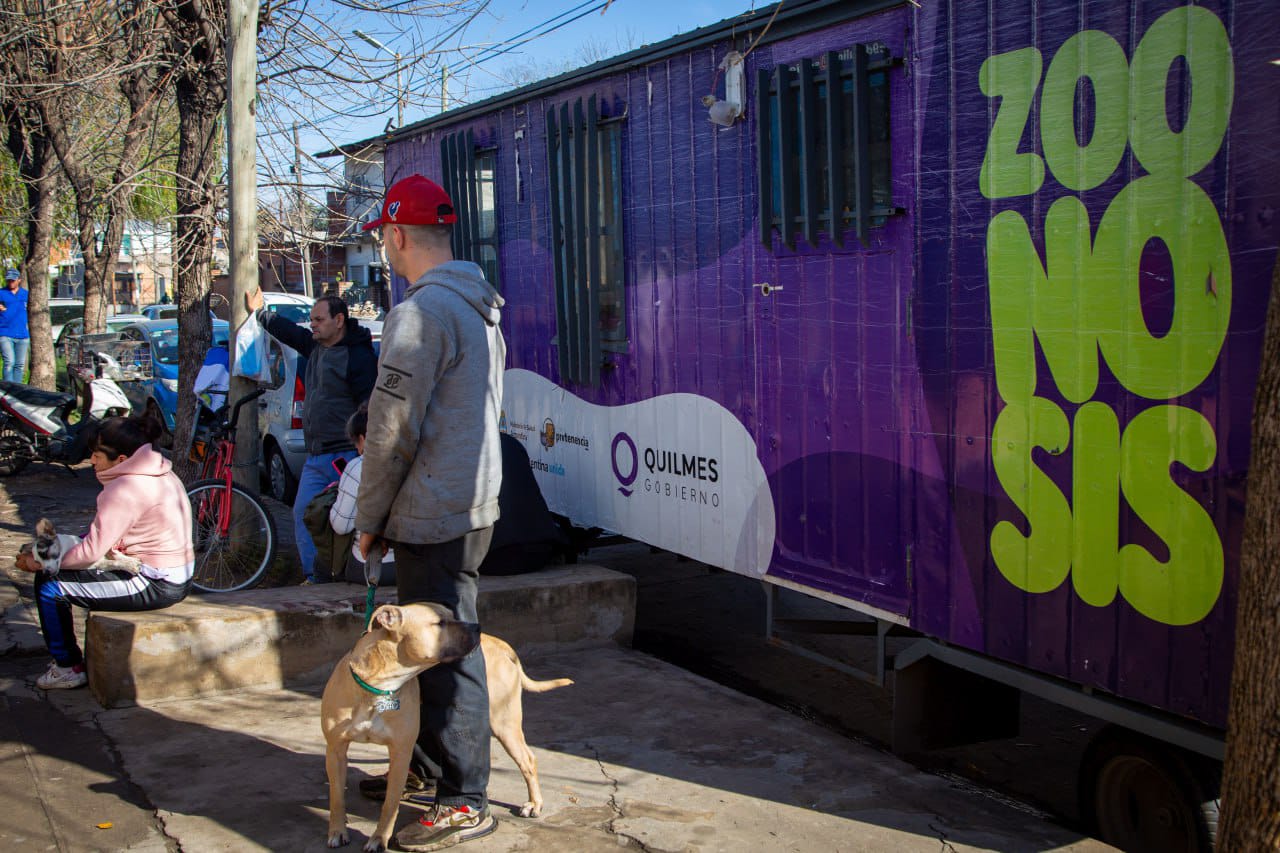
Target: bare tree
1251 774
197 42
317 74
29 145
94 50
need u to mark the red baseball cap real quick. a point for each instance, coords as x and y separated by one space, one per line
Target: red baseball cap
415 200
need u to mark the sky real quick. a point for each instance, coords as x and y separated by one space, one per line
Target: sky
623 26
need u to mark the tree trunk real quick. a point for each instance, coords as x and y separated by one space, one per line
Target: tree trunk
38 168
198 111
1251 775
197 38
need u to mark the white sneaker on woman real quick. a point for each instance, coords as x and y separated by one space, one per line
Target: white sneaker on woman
62 678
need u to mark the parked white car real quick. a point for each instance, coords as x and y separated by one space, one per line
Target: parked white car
291 306
280 417
62 311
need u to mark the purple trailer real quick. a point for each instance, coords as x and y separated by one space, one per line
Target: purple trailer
946 312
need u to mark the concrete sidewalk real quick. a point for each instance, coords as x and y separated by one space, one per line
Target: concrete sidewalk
636 754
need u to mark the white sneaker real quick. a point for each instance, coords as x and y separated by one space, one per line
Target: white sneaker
62 678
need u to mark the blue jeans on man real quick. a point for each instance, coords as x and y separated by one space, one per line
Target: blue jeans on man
14 352
317 472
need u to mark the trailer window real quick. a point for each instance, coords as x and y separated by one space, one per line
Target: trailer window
470 179
818 153
584 159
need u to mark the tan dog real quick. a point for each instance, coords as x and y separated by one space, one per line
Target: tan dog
401 643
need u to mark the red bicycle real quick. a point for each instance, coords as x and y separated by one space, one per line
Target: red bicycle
233 534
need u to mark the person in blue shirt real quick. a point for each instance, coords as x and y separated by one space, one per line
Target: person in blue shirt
15 340
214 379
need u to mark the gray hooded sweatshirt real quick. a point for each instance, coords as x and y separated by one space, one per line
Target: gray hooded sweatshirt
432 457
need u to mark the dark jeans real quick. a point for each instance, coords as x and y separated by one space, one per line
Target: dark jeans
95 590
453 742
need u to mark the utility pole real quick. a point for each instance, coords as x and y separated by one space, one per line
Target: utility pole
242 148
304 244
444 89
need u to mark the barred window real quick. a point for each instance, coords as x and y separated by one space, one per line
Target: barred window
584 160
823 136
470 180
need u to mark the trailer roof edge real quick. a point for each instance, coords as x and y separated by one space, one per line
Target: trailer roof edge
790 21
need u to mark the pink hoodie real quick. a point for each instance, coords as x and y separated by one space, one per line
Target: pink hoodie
143 511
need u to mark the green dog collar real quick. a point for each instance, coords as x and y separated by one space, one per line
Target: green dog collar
367 686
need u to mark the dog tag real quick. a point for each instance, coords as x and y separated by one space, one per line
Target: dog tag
386 703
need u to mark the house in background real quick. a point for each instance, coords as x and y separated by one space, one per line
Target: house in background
280 264
143 271
357 203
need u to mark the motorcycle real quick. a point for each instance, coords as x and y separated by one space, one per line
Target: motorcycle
41 425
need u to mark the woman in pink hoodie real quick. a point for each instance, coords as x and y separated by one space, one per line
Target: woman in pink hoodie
143 512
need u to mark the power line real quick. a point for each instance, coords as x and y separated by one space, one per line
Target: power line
507 45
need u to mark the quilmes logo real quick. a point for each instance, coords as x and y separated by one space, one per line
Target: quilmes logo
626 459
548 435
671 473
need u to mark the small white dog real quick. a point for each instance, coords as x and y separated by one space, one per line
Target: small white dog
50 545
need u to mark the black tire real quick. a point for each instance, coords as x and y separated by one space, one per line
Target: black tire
283 486
15 448
1141 795
240 559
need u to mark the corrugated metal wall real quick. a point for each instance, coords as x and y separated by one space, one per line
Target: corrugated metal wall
868 380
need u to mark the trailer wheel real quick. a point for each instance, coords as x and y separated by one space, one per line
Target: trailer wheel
1141 795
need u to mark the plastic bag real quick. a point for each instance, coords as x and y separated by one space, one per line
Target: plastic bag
251 352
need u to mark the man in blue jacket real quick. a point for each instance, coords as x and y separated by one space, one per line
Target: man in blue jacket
15 340
341 370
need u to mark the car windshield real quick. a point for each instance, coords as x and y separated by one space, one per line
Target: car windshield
164 344
62 314
292 313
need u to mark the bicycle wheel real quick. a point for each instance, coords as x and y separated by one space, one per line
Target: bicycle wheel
237 558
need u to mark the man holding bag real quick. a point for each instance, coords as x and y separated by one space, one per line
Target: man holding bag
341 370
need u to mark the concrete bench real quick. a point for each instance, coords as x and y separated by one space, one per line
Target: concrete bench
294 635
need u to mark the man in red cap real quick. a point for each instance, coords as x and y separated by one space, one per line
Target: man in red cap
432 471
